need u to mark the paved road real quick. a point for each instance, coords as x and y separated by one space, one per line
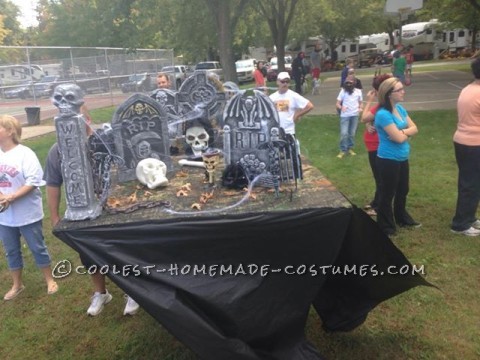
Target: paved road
429 91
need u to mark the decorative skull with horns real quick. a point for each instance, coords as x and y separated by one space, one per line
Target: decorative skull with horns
68 98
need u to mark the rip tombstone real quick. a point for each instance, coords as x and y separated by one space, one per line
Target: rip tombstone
72 144
140 129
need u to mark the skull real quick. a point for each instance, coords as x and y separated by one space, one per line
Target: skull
68 98
211 160
152 172
197 137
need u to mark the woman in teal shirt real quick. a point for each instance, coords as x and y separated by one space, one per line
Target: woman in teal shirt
394 128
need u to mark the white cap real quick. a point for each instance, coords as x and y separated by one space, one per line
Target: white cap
283 75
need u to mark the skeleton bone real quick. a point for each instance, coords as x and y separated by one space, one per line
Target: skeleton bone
191 163
152 172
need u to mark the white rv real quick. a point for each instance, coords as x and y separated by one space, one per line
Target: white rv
11 74
429 39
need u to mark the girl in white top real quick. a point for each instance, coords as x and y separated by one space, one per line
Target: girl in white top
21 206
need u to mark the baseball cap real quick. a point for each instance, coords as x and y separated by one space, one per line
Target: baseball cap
283 75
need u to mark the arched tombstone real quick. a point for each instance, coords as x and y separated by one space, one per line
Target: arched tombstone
140 129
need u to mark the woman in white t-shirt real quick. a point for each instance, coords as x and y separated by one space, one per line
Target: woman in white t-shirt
349 105
21 206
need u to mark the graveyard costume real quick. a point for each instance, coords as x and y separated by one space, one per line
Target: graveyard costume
466 141
289 104
54 181
22 210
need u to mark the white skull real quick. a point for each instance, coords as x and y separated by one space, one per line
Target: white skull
152 172
197 138
68 98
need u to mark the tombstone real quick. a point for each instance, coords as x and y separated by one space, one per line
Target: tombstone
140 129
168 101
252 136
72 144
202 92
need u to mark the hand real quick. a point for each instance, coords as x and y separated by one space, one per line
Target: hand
370 128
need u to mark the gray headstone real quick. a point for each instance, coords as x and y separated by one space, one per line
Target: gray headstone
202 92
251 132
72 143
140 128
168 101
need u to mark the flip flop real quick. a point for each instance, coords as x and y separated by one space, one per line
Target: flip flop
13 293
52 289
371 212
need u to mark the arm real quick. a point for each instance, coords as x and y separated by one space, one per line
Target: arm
400 136
53 201
7 200
299 113
367 116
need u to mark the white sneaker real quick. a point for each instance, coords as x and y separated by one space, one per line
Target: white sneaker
131 307
476 224
98 301
471 231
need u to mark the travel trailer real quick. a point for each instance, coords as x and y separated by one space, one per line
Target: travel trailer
429 39
11 74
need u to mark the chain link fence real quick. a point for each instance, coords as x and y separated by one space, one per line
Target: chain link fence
28 75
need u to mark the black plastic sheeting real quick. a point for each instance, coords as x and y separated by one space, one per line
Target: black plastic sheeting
243 314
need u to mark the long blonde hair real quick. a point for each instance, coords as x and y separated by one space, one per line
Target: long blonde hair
9 122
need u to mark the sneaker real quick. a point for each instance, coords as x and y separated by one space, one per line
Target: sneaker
476 224
413 225
131 307
340 155
98 301
351 152
471 231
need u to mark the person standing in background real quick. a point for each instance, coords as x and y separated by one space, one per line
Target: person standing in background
466 142
316 61
21 206
298 71
394 127
260 83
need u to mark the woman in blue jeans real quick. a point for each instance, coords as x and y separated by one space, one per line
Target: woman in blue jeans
394 128
349 104
21 211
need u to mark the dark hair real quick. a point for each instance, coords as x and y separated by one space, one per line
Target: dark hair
475 65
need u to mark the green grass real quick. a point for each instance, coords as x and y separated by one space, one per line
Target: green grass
423 323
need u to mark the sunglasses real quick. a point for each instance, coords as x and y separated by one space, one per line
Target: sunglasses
284 81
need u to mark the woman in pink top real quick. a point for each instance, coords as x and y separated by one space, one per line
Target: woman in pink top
467 153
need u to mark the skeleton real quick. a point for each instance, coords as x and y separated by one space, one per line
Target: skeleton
68 98
197 137
211 160
152 172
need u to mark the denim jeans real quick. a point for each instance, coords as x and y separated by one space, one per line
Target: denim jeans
33 235
348 129
468 197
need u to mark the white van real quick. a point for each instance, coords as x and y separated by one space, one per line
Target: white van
245 69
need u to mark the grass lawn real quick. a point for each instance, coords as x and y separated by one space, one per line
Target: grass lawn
423 323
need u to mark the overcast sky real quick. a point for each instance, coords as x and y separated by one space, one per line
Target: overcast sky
28 17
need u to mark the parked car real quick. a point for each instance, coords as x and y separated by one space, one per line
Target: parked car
272 70
137 82
177 72
245 69
211 67
21 90
46 86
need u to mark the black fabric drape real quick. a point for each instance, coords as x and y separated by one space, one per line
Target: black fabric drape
253 316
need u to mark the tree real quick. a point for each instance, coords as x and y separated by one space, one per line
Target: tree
226 14
279 15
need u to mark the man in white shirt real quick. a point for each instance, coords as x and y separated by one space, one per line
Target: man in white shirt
290 105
